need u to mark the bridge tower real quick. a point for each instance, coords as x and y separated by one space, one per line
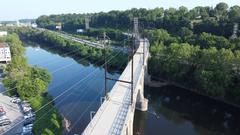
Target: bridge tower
87 20
135 28
235 31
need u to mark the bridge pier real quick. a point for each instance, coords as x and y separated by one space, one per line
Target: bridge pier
142 103
147 77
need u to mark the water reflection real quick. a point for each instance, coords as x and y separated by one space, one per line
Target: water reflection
174 111
80 97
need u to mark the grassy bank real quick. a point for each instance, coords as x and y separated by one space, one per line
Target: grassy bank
30 83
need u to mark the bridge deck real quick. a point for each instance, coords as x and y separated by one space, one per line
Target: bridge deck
111 116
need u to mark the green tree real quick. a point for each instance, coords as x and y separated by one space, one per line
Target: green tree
213 75
234 14
221 10
185 33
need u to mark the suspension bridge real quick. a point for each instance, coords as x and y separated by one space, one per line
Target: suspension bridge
116 114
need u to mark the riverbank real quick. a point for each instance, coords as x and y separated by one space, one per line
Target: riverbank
30 84
160 82
186 112
77 50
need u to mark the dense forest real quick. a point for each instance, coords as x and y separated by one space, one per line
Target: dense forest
194 48
30 83
209 68
218 21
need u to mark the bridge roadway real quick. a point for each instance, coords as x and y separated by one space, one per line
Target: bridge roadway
116 114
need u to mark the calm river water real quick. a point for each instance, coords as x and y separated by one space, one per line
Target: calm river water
171 110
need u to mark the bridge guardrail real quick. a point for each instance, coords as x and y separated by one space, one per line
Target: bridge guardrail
128 115
125 127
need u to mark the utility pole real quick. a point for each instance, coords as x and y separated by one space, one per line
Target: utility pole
133 44
105 64
135 37
235 31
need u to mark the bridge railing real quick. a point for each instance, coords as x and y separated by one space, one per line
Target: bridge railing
102 108
127 107
131 109
139 73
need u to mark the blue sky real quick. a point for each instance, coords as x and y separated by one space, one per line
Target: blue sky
17 9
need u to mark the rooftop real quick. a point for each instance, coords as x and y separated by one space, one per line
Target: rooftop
2 45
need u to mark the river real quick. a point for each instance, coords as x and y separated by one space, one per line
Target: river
84 96
176 111
172 111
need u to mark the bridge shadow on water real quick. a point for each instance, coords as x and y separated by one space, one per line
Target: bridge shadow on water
176 111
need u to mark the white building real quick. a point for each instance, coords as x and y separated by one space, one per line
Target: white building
80 30
3 33
34 25
59 27
5 54
10 25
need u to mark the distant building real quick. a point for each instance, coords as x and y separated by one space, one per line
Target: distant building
24 25
3 33
80 30
34 25
59 26
198 17
5 54
10 25
18 23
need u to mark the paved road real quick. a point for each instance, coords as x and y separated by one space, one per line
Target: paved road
13 112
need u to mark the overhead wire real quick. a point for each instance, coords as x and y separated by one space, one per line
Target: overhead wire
84 94
79 97
62 100
74 85
86 110
71 93
56 70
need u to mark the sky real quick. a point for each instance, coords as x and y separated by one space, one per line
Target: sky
28 9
